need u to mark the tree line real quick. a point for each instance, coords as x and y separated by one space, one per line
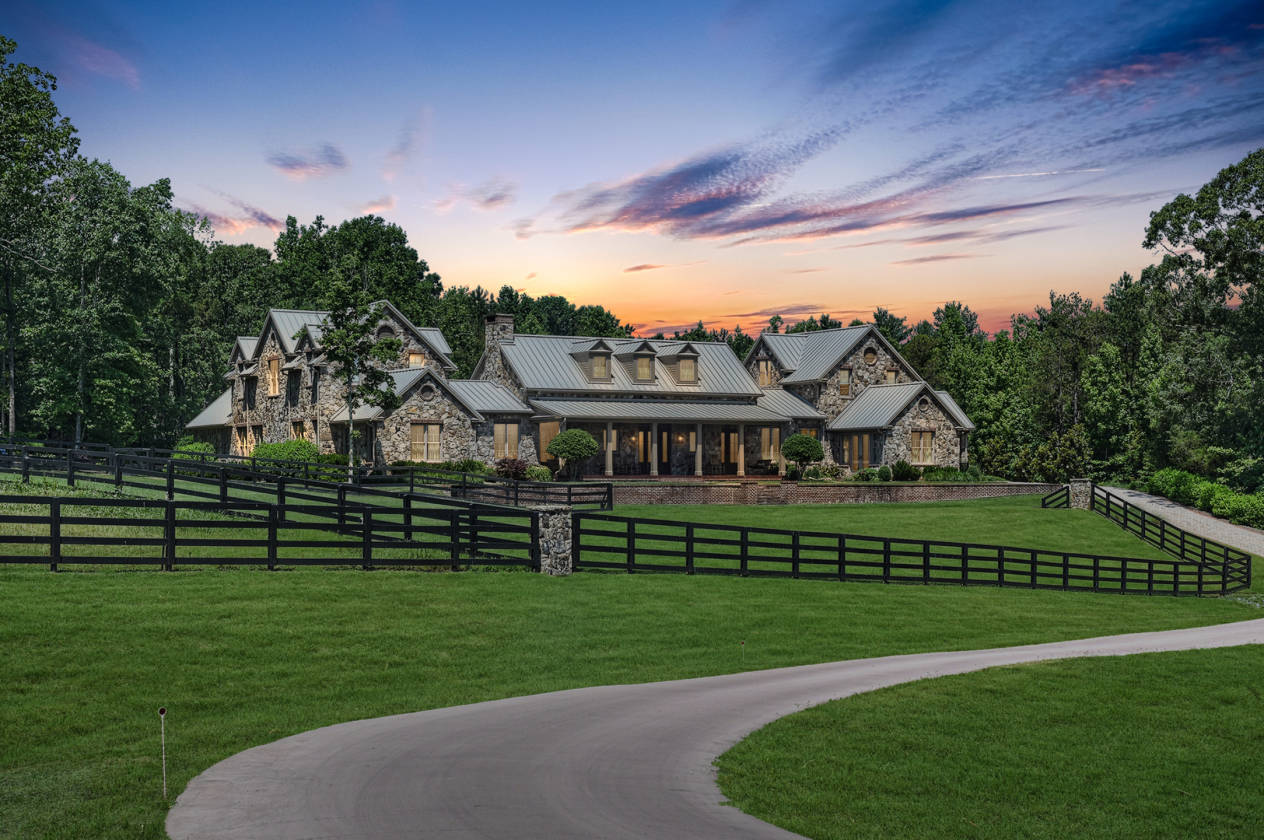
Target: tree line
119 310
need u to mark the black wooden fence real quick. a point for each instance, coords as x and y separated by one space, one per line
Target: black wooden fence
91 462
601 541
167 534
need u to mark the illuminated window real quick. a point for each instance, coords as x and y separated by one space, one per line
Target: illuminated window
922 453
506 436
765 372
643 445
416 360
548 431
688 370
424 442
693 440
844 382
274 377
644 368
890 377
601 366
809 432
769 443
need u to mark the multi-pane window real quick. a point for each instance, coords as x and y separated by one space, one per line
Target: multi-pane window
890 377
643 445
688 370
765 372
506 438
274 377
291 388
249 388
922 452
297 432
416 360
844 382
809 432
769 443
856 451
601 366
242 441
548 431
315 385
424 442
644 368
693 440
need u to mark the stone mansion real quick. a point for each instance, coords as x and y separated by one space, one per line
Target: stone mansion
655 407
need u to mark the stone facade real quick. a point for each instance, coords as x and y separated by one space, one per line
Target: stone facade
1081 495
828 398
922 416
555 540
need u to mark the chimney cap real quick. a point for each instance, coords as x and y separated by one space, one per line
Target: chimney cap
499 316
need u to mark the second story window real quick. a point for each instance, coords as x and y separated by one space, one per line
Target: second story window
416 360
274 377
688 370
644 368
601 366
248 392
291 388
315 385
765 372
844 382
890 377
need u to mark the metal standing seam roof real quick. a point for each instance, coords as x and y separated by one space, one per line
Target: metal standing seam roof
246 344
879 406
218 413
545 363
479 396
683 411
429 335
955 410
810 356
289 322
789 405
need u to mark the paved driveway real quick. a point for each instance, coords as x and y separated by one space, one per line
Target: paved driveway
1196 521
630 761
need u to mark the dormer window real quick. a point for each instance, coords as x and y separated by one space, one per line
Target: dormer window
844 382
600 366
765 373
274 377
688 370
416 360
644 368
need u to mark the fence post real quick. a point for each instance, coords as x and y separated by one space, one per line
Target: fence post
1150 578
842 557
54 534
472 534
26 466
925 563
408 518
342 506
689 548
965 565
1033 568
366 526
1224 574
1066 571
745 562
794 555
171 480
272 537
1162 534
412 480
169 537
630 545
1000 567
454 538
280 500
1123 576
886 561
118 472
70 468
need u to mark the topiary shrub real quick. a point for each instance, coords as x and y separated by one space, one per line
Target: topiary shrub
869 474
904 471
514 468
792 473
539 472
884 473
802 449
573 447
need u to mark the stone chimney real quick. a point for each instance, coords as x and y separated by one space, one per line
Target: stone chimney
498 330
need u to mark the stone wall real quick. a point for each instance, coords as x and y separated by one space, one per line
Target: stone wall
831 402
789 493
555 540
924 415
1081 495
752 367
429 403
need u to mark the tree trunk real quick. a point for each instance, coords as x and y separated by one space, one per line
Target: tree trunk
10 340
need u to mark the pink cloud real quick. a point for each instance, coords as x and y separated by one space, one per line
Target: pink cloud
379 205
103 61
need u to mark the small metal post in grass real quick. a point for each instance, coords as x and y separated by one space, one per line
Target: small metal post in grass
162 734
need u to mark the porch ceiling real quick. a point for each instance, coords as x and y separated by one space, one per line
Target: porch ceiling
663 411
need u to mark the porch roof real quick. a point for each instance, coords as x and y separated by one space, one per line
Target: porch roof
669 411
218 413
879 406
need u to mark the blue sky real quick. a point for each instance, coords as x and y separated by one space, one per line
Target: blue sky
713 160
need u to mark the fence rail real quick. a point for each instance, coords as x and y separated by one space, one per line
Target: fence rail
601 541
164 533
1059 498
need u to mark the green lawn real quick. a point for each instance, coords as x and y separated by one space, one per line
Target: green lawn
1150 746
242 657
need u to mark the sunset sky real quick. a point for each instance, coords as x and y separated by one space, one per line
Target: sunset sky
676 161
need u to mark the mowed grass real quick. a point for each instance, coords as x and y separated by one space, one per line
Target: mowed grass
1148 746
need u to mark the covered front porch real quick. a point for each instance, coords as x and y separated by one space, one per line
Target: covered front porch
662 438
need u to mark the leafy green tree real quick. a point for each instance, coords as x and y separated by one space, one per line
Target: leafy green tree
894 328
36 145
573 447
802 450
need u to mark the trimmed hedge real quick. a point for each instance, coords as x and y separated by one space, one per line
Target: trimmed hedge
1188 489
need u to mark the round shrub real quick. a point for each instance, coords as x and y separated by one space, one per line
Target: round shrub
904 471
884 473
514 468
869 474
802 449
539 472
573 446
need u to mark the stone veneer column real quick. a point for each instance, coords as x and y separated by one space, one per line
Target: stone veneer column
741 450
1082 493
555 540
654 449
609 449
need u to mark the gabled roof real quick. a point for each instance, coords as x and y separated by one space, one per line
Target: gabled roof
288 323
476 396
879 406
955 410
812 356
545 363
218 413
789 405
244 346
429 336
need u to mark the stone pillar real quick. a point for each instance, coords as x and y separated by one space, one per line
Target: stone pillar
653 449
697 452
781 461
555 540
609 449
741 450
1082 493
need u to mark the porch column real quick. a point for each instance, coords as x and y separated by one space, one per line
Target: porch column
609 449
781 461
653 449
697 452
741 450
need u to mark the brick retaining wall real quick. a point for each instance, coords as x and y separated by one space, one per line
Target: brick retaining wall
754 493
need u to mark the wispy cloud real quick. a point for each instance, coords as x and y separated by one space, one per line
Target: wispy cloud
103 61
937 258
378 206
315 163
492 194
410 138
655 266
247 217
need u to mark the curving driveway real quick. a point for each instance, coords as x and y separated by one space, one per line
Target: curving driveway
628 761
